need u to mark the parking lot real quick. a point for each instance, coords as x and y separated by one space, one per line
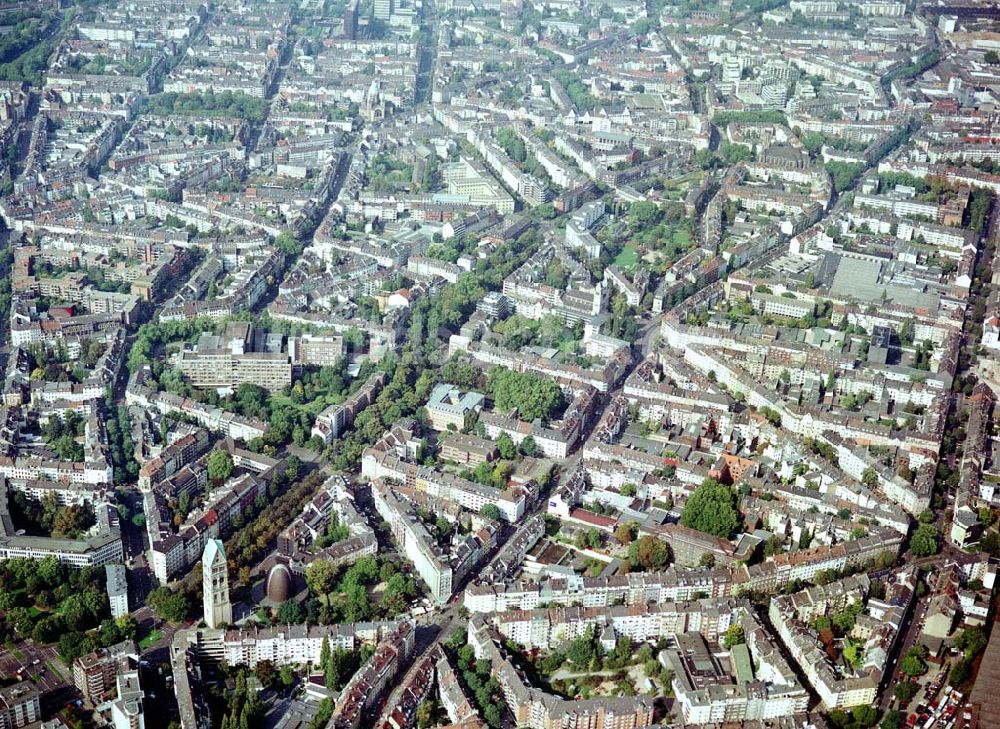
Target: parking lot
40 663
936 705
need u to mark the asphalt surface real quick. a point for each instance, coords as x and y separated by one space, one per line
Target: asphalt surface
40 663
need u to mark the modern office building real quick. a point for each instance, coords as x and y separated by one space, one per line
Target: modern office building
351 20
235 357
117 587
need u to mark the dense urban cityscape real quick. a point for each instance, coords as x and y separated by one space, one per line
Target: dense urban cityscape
486 364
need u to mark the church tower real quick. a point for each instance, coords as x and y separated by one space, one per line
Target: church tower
215 585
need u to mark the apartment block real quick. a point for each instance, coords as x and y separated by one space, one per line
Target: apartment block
20 705
95 674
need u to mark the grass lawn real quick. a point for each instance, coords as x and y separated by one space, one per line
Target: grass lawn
628 258
52 667
71 721
682 236
154 635
315 407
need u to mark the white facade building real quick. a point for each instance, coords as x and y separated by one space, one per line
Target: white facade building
215 585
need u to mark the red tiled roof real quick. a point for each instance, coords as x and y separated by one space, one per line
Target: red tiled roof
591 518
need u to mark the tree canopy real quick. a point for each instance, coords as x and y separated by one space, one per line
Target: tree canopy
844 173
220 465
169 605
913 663
924 541
291 613
224 103
648 553
712 509
533 396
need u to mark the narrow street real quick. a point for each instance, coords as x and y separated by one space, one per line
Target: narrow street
943 517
